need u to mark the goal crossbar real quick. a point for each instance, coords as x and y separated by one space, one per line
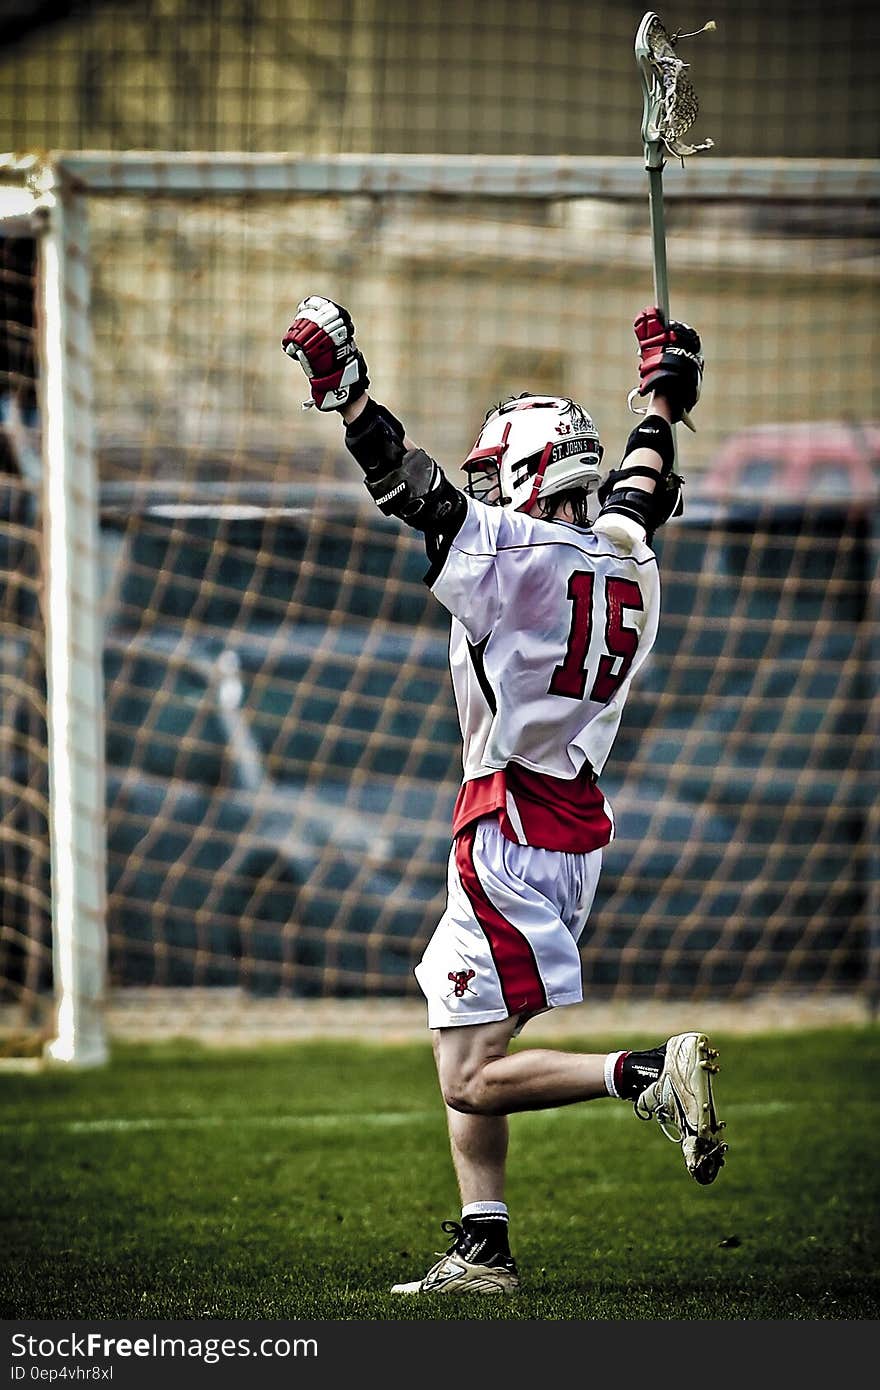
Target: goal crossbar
562 176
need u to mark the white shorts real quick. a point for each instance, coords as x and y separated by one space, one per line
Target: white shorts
507 943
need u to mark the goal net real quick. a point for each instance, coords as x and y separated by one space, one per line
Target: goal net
230 746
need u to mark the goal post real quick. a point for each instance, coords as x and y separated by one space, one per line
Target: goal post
74 635
251 746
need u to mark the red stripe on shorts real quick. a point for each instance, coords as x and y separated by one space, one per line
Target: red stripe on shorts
521 984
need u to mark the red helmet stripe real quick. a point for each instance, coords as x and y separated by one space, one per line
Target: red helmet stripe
494 451
539 476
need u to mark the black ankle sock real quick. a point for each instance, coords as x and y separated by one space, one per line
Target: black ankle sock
636 1070
489 1232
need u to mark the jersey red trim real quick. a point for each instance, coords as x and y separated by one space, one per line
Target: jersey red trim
482 796
565 814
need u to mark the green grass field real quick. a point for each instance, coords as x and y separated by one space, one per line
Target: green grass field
299 1182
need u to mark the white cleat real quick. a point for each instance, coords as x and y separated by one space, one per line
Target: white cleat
681 1101
455 1273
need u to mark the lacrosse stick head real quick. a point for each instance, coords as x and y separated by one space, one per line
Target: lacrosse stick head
670 102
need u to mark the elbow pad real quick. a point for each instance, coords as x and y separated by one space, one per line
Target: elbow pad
648 509
419 493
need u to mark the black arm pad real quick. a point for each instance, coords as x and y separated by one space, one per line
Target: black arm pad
649 509
445 510
653 433
375 440
419 493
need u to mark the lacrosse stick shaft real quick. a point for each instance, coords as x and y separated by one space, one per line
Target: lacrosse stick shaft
658 242
658 238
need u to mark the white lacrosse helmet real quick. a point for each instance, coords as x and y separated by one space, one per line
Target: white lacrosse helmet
530 447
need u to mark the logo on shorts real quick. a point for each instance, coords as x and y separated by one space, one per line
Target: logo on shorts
460 980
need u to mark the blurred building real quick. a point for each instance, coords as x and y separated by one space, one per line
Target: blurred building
793 78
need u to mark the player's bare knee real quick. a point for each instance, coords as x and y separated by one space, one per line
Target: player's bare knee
466 1100
463 1056
457 1100
466 1089
456 1085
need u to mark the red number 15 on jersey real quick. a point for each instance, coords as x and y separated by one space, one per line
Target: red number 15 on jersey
570 678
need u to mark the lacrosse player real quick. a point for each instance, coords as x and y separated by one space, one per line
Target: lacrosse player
545 563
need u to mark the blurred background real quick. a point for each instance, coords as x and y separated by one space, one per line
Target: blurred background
282 753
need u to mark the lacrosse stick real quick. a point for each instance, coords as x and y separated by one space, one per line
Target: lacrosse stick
670 109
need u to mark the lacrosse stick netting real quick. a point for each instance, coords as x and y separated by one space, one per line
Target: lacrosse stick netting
670 102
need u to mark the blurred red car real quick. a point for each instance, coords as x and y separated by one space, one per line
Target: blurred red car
830 460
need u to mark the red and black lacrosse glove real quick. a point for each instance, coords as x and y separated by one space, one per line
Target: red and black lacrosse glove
670 360
321 340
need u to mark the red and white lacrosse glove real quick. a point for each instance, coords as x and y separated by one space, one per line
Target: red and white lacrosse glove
670 361
321 340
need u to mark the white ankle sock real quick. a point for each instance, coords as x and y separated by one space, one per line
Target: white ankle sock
497 1210
610 1064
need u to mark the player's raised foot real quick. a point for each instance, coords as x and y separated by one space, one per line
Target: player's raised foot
681 1101
466 1267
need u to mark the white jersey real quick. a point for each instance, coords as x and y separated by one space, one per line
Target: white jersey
551 622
